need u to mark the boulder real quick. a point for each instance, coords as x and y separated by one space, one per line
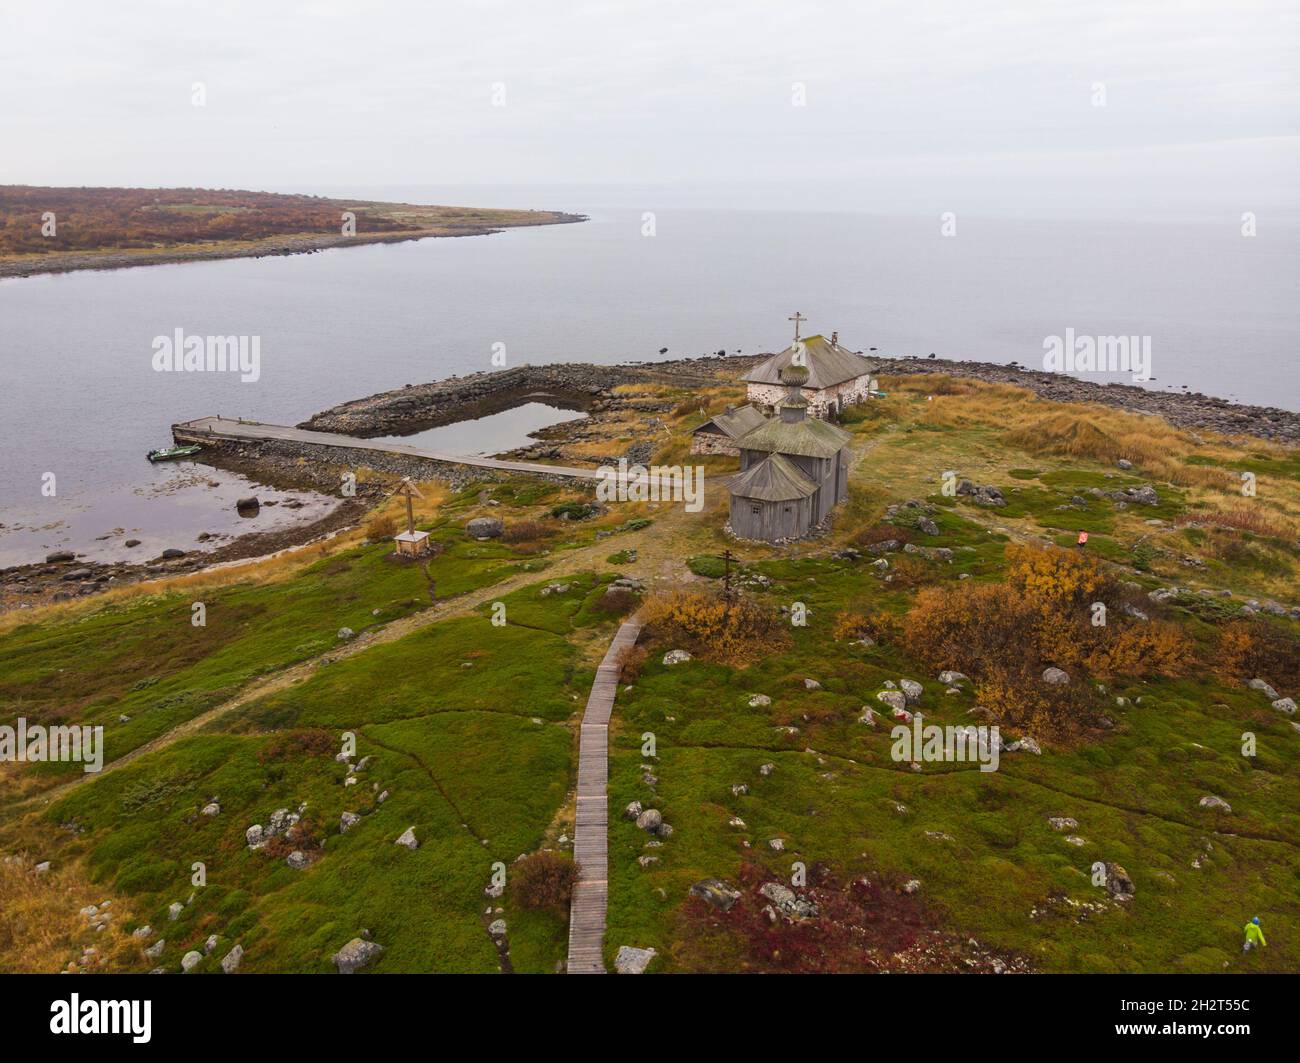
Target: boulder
1259 684
346 633
356 953
346 820
211 809
1286 705
1216 803
60 555
895 699
497 928
1063 822
759 701
676 657
1024 745
298 860
1055 677
717 893
484 528
811 684
191 960
951 679
650 820
912 690
156 949
633 810
1118 884
633 961
210 946
766 769
246 504
174 910
407 839
230 962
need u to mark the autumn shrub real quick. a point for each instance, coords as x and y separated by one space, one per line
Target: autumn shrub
908 570
543 880
630 662
1017 698
735 631
617 600
380 526
309 742
1157 647
1257 648
880 533
526 531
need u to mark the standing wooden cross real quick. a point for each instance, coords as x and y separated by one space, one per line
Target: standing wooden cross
727 558
797 318
408 490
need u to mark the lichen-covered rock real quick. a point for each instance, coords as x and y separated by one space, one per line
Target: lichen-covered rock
1268 691
951 679
348 819
633 810
895 699
1063 822
759 701
1216 803
630 960
407 839
484 528
1055 677
1285 705
716 893
191 960
650 821
1118 883
355 954
230 962
676 657
912 690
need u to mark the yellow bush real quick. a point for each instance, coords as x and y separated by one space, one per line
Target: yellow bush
709 626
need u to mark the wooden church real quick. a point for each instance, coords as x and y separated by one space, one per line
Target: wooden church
794 469
837 377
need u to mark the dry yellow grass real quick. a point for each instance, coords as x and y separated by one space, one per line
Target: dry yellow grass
42 929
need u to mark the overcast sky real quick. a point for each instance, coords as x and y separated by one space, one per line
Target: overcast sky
907 105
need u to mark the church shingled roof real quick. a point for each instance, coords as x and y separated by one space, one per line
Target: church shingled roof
809 438
736 423
772 480
828 364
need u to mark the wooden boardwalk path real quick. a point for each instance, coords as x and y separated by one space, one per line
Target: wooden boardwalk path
223 428
590 842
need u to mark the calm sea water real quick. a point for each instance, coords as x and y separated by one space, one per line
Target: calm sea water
80 398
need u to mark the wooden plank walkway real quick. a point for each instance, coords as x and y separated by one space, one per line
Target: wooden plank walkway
591 832
224 428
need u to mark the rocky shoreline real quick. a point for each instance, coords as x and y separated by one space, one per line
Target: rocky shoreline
577 386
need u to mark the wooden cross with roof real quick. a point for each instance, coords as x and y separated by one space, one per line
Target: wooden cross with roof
408 490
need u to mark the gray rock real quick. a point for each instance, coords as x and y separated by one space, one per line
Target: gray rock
297 860
776 844
811 684
142 932
211 809
1286 705
633 810
248 503
174 910
895 699
210 945
230 962
633 961
1216 803
650 820
716 893
1024 745
407 839
1055 677
355 954
346 820
766 769
1118 884
759 701
156 949
912 690
951 679
191 960
255 836
1124 463
484 528
497 928
60 555
1063 822
1259 684
346 633
676 657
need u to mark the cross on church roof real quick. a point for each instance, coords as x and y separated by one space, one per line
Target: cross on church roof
796 318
